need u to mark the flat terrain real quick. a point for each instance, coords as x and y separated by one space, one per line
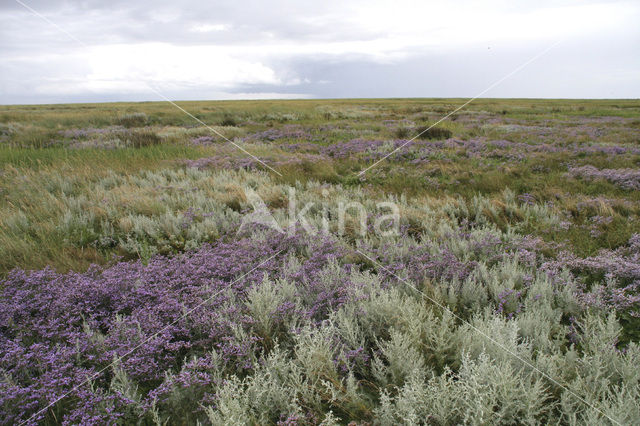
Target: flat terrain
503 290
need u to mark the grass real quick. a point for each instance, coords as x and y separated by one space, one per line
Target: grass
493 227
156 136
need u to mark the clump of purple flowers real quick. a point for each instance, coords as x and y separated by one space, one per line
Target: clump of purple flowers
620 268
57 330
284 132
624 178
202 140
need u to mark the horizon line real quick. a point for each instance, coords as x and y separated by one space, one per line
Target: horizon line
314 99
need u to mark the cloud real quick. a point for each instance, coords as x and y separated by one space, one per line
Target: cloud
159 63
339 48
207 28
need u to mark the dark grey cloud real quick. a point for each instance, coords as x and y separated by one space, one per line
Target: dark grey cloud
195 49
453 74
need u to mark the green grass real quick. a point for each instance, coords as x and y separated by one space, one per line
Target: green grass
155 136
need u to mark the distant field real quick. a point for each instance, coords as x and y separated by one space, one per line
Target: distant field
503 291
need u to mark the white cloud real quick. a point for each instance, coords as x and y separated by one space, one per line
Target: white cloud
446 24
131 68
188 65
208 28
255 46
263 95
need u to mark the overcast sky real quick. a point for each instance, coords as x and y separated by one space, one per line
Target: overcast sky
115 50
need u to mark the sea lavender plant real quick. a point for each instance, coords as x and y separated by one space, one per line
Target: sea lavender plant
624 178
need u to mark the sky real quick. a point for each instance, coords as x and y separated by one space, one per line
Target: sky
117 50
